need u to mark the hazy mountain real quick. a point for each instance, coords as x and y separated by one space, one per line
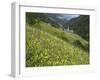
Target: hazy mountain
61 18
54 19
80 25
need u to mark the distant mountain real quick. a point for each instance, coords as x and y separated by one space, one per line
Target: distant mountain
32 18
57 20
80 25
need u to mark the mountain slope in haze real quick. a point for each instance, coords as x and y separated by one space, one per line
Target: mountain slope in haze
36 17
80 25
56 20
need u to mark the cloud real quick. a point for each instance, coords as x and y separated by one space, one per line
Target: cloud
60 17
67 16
70 16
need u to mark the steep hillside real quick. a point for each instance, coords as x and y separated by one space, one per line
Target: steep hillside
49 46
80 25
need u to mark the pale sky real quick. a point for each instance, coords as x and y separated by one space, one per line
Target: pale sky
68 16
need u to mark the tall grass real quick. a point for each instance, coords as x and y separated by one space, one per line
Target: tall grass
49 46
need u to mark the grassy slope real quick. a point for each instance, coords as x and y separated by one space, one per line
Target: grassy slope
49 46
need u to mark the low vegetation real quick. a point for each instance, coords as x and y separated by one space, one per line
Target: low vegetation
50 46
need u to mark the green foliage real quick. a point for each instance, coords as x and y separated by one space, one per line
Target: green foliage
49 46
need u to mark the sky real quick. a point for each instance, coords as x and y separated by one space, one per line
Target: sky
68 16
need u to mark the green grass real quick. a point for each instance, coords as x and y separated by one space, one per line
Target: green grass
49 46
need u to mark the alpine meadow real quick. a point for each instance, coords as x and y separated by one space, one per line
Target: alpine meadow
56 39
